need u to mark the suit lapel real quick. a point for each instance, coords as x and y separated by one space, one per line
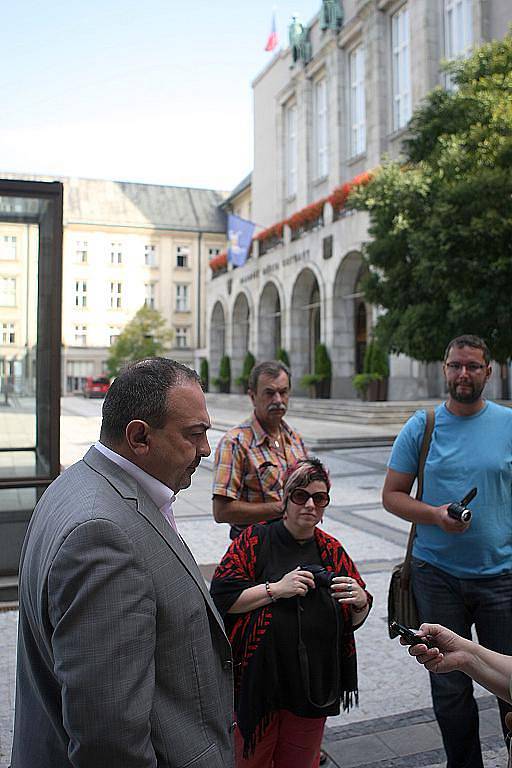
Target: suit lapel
129 489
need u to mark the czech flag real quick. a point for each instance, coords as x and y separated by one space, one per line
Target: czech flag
272 38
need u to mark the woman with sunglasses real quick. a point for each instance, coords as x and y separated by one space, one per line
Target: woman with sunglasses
290 597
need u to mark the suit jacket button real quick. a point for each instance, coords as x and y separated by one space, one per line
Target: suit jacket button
228 665
232 727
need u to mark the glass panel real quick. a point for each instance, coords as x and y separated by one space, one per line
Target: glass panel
14 464
18 335
15 502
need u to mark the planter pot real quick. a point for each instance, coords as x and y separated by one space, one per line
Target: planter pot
383 390
323 389
377 391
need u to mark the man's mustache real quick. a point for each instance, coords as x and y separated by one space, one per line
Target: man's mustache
276 407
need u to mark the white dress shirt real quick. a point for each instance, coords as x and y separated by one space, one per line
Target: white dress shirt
159 493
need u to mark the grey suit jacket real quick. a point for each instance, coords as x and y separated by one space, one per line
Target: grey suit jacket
122 658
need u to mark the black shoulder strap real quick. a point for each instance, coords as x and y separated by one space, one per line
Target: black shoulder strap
425 445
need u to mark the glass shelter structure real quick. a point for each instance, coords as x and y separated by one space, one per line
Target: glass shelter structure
30 347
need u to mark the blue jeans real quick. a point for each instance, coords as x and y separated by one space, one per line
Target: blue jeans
458 604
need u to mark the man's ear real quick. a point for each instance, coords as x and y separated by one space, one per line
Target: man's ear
251 395
137 437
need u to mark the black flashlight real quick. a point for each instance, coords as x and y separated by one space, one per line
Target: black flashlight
458 509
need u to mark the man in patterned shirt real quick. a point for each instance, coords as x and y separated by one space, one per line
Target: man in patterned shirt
251 459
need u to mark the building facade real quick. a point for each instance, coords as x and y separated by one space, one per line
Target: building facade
124 245
326 111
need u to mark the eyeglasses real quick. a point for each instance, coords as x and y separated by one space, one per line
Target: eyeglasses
470 367
300 496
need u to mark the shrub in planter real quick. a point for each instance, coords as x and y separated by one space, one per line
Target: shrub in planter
362 383
319 382
372 384
204 374
282 355
223 381
249 363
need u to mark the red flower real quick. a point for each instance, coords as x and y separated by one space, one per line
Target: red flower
219 262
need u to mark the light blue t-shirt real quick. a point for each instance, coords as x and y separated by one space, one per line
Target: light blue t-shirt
465 451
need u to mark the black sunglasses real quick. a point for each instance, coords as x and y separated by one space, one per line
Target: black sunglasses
300 496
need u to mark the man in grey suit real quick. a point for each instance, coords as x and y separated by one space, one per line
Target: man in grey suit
122 658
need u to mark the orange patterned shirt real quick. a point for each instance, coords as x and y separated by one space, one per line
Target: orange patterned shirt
249 466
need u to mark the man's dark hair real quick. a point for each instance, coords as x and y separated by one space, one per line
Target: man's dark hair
272 368
140 392
469 340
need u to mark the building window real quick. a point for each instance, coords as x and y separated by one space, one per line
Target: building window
291 151
80 294
182 256
115 295
458 28
182 298
357 101
80 335
213 252
182 341
7 291
116 253
401 68
8 247
81 251
8 335
149 295
321 148
113 335
150 255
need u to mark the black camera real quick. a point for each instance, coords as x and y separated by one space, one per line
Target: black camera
458 509
322 577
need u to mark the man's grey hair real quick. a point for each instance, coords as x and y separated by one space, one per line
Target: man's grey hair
140 392
272 368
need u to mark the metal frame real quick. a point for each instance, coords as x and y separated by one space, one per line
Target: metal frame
49 218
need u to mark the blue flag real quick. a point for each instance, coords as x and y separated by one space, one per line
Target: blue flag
239 239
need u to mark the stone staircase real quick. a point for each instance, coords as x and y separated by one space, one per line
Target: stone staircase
350 411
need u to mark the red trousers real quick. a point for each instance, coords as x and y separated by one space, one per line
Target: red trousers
288 742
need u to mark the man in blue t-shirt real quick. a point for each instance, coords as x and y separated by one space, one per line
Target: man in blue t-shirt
461 572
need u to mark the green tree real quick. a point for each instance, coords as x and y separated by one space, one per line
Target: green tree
146 335
440 258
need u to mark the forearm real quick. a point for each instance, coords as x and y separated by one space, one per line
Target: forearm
492 670
359 617
252 598
402 505
238 512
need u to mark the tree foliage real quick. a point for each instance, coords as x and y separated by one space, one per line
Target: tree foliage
440 258
146 335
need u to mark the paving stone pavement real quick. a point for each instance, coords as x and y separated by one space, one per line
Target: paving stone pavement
393 726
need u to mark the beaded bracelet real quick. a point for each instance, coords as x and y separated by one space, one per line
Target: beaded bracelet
269 593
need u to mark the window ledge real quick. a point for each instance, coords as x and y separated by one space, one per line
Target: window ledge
356 158
398 133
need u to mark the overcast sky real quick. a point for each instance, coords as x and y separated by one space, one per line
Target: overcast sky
156 91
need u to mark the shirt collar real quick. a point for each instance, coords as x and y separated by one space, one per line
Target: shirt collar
159 493
260 436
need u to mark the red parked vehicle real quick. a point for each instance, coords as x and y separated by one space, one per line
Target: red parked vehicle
96 387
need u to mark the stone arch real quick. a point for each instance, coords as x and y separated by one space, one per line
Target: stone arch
306 323
241 334
352 320
270 322
217 338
